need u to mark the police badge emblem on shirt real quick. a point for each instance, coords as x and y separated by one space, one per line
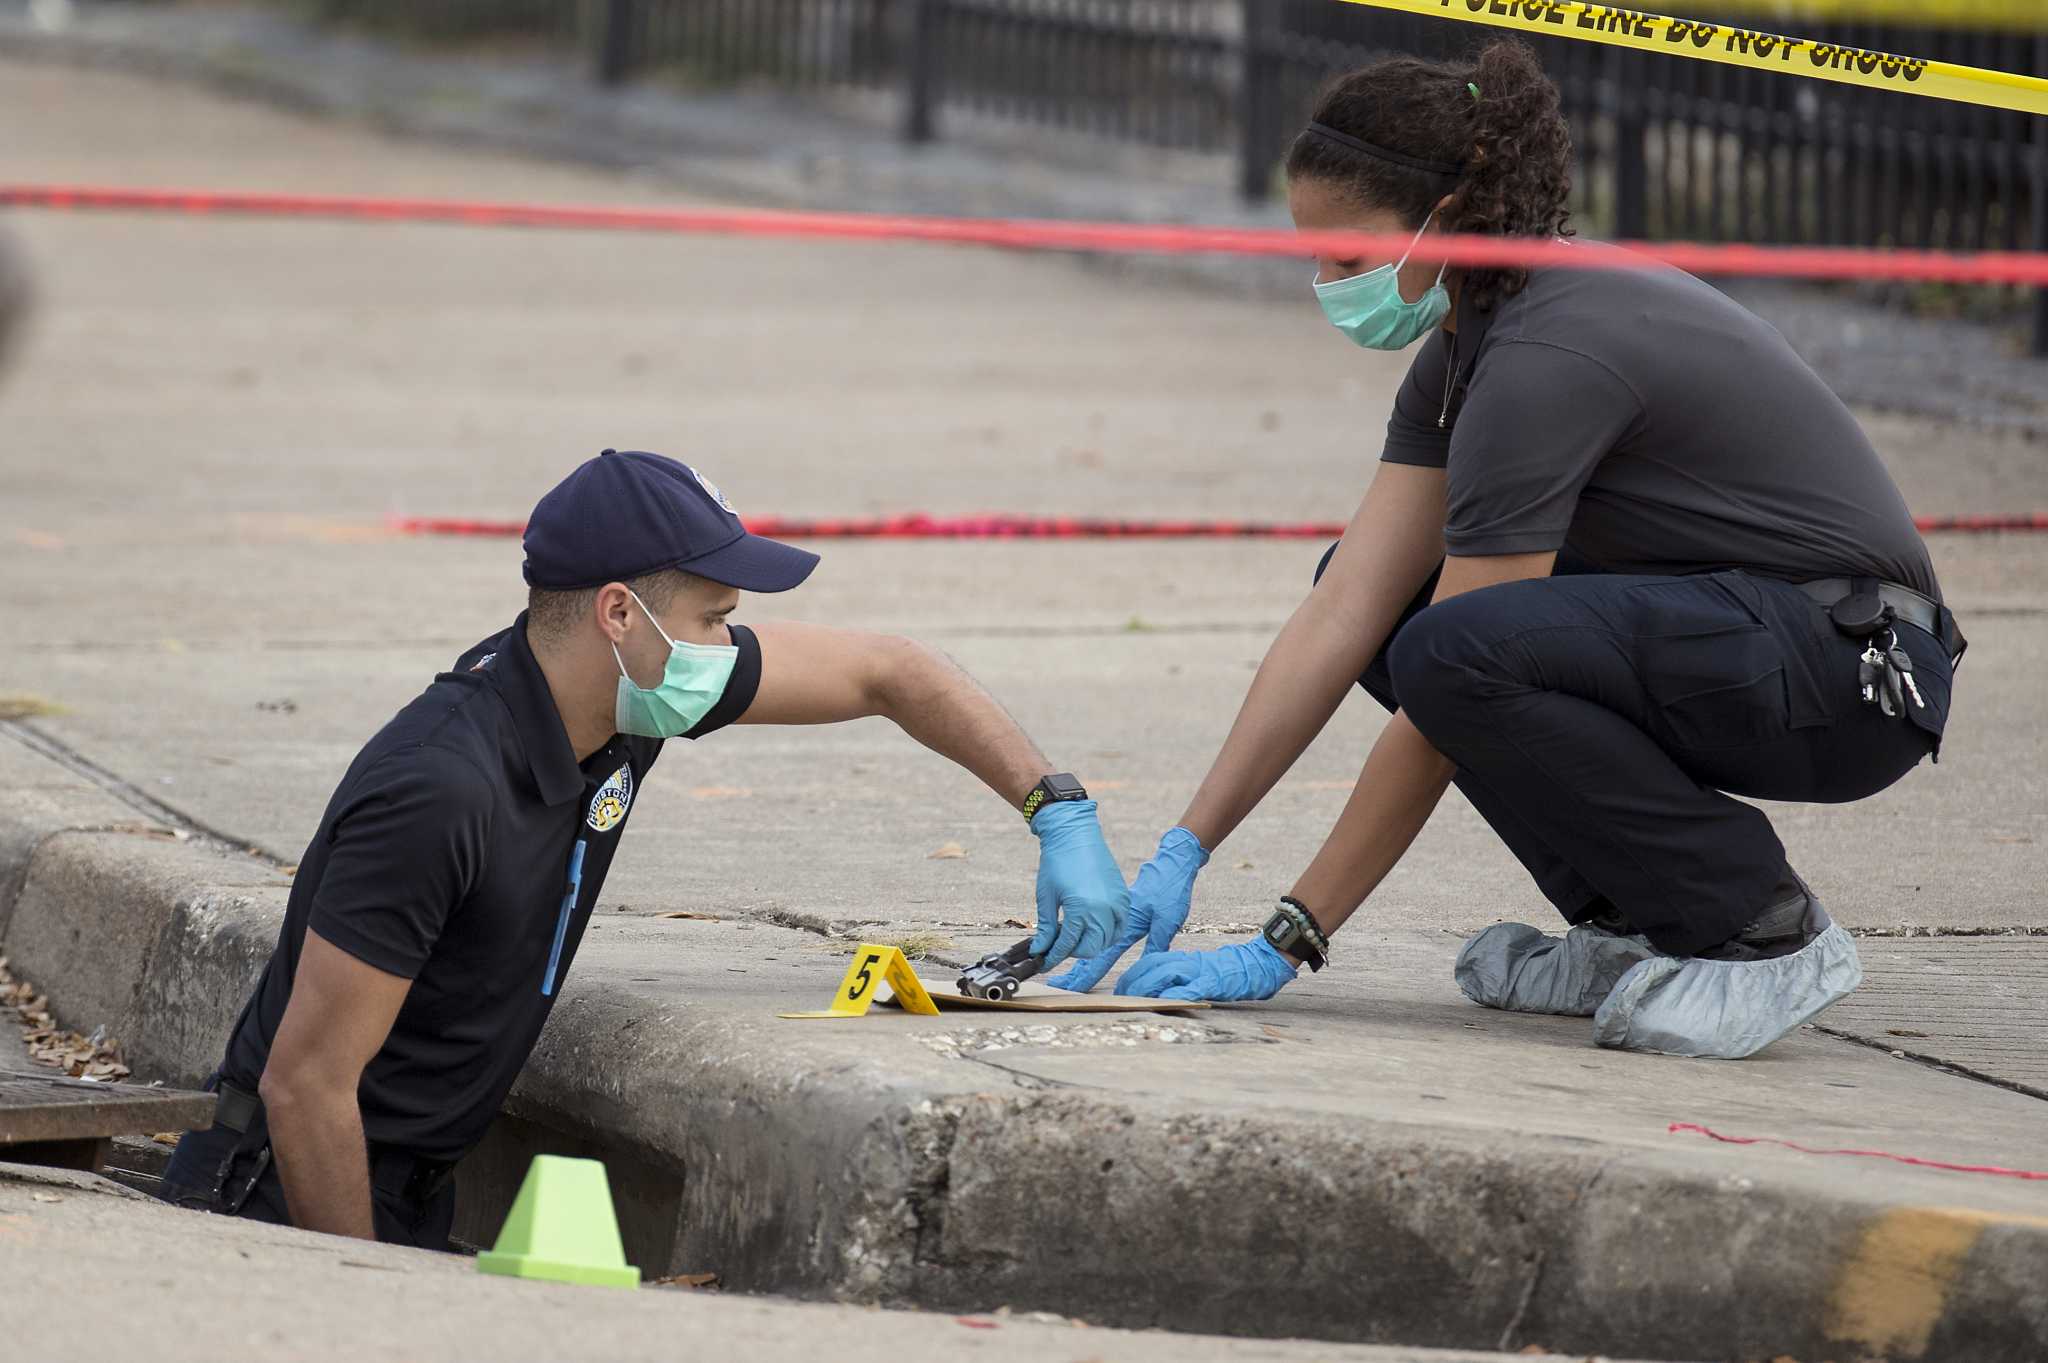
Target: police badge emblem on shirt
612 800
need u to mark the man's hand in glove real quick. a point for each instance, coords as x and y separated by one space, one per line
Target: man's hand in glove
1082 900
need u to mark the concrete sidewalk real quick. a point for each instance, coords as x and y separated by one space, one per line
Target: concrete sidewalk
211 419
110 1275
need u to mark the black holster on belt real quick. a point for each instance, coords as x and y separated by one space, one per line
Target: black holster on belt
235 1175
417 1181
398 1173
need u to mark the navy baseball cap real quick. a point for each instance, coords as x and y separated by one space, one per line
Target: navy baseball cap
627 513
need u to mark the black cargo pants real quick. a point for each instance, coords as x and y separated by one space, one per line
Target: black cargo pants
1601 723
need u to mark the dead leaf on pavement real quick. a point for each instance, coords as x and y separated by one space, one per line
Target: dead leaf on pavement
97 1057
952 851
688 1280
1015 923
27 707
685 913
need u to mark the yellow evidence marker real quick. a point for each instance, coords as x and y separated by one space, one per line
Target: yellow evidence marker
871 965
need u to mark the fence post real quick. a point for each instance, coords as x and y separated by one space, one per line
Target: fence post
921 71
615 43
2038 229
1255 140
1631 154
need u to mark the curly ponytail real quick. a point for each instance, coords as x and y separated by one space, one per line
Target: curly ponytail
1497 121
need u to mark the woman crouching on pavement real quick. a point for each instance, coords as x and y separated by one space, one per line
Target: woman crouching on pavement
1625 558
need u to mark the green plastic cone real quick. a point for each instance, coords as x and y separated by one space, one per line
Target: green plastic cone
562 1228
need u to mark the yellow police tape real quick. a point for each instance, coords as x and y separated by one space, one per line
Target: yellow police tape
2009 15
1714 42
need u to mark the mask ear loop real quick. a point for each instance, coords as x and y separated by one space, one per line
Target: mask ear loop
657 629
650 619
1442 270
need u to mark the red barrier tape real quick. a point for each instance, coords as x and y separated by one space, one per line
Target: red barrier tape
1803 262
2009 267
996 527
922 527
1710 1133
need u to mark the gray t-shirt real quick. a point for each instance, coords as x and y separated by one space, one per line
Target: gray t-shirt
1653 426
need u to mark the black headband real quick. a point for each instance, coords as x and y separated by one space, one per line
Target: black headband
1344 139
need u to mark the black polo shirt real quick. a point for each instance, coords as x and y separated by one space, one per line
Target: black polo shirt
1653 425
463 850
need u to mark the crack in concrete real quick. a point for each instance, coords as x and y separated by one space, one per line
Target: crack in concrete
801 922
1514 1324
1891 1048
844 930
132 795
1033 1082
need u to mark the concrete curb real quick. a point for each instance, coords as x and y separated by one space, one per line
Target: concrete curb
828 1165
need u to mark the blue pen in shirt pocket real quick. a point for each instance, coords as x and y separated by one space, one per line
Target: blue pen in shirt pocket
547 984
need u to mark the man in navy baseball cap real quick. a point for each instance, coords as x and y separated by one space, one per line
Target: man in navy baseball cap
439 907
627 514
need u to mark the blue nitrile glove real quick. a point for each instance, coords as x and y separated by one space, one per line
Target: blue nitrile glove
1159 908
1082 899
1249 970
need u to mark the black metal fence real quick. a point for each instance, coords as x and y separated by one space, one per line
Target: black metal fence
1667 147
1671 147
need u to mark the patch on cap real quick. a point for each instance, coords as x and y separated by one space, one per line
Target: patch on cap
712 488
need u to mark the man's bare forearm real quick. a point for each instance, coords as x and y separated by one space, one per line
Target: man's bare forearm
1403 780
317 1141
933 700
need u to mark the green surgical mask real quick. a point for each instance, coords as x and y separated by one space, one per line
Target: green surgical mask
1370 310
691 683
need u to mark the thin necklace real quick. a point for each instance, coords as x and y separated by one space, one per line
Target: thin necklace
1450 377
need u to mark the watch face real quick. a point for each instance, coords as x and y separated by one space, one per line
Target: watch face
1064 787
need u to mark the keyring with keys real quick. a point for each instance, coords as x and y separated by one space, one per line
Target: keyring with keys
1884 676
